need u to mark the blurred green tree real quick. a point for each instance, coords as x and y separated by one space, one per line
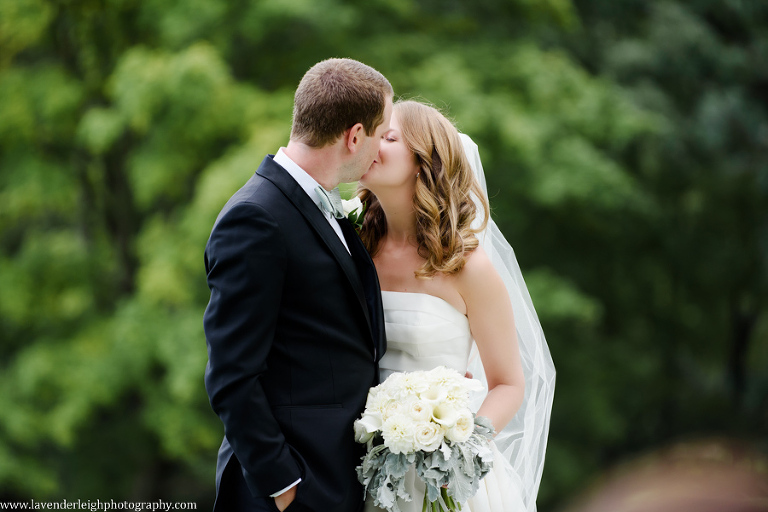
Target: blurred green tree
683 290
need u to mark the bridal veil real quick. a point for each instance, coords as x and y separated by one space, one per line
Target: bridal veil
523 441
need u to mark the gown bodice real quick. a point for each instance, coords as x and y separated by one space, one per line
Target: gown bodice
423 332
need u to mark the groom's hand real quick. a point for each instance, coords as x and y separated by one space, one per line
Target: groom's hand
286 498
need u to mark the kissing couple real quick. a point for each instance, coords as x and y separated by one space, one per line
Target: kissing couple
307 311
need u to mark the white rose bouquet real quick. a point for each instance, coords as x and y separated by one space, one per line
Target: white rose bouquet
422 420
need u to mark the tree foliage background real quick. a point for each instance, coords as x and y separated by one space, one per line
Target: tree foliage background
626 147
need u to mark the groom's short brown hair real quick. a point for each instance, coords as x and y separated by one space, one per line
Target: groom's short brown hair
334 95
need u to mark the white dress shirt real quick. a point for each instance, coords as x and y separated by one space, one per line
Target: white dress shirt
308 184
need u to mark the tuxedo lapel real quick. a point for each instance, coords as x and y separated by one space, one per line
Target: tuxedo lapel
309 210
367 272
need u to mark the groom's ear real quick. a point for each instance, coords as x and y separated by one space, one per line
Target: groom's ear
353 137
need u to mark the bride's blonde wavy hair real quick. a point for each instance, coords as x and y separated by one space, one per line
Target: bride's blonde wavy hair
443 199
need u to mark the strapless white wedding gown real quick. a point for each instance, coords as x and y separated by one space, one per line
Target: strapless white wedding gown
424 332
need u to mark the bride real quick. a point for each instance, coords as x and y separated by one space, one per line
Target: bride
453 295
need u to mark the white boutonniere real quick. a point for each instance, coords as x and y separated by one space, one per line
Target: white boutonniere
354 210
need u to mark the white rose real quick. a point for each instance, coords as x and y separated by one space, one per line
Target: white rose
428 436
393 408
366 427
351 205
391 386
398 434
419 410
445 414
462 430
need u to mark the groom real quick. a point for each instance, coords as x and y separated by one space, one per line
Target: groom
294 325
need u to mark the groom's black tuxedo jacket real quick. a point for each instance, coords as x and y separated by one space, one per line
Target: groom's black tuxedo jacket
294 329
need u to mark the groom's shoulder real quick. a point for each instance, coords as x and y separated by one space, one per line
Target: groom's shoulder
258 192
260 188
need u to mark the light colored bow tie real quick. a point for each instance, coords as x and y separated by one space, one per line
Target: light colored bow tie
330 202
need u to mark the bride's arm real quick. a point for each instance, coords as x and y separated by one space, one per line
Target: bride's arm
492 323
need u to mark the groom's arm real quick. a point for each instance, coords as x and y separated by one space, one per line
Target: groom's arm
245 262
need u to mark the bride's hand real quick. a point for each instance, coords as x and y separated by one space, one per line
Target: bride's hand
468 374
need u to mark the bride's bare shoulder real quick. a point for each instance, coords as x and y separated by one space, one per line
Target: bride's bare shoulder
478 274
477 264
